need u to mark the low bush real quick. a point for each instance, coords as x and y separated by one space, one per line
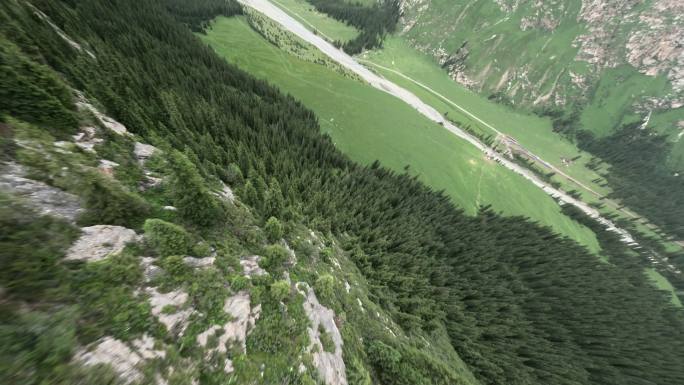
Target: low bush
239 283
167 238
326 340
201 249
280 290
325 288
176 271
273 259
108 203
30 248
274 229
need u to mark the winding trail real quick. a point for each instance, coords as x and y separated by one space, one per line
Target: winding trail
294 26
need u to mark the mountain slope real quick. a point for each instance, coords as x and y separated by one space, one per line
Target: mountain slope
598 69
551 52
86 298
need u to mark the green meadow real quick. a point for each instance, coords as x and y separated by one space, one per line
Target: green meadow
531 131
370 125
319 22
618 90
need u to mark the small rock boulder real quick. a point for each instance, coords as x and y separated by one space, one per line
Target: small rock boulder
87 139
124 360
199 263
45 199
250 266
170 309
107 167
143 151
97 242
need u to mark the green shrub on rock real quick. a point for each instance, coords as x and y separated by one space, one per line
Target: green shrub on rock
108 203
324 287
239 283
280 290
176 271
167 238
274 258
201 249
326 340
274 229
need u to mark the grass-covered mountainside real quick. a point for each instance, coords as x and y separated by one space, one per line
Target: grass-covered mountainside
556 52
598 68
166 218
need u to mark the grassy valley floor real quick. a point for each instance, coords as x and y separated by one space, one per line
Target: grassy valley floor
321 23
397 59
370 125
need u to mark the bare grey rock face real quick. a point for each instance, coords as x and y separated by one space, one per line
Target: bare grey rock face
107 167
244 318
150 270
199 263
143 151
226 193
97 242
292 257
87 139
149 181
118 128
167 307
45 199
330 365
144 346
124 360
110 351
250 266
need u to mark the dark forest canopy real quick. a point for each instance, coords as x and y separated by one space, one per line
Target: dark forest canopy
638 173
521 304
198 13
374 21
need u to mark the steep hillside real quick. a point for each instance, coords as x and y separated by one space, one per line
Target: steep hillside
166 218
552 52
